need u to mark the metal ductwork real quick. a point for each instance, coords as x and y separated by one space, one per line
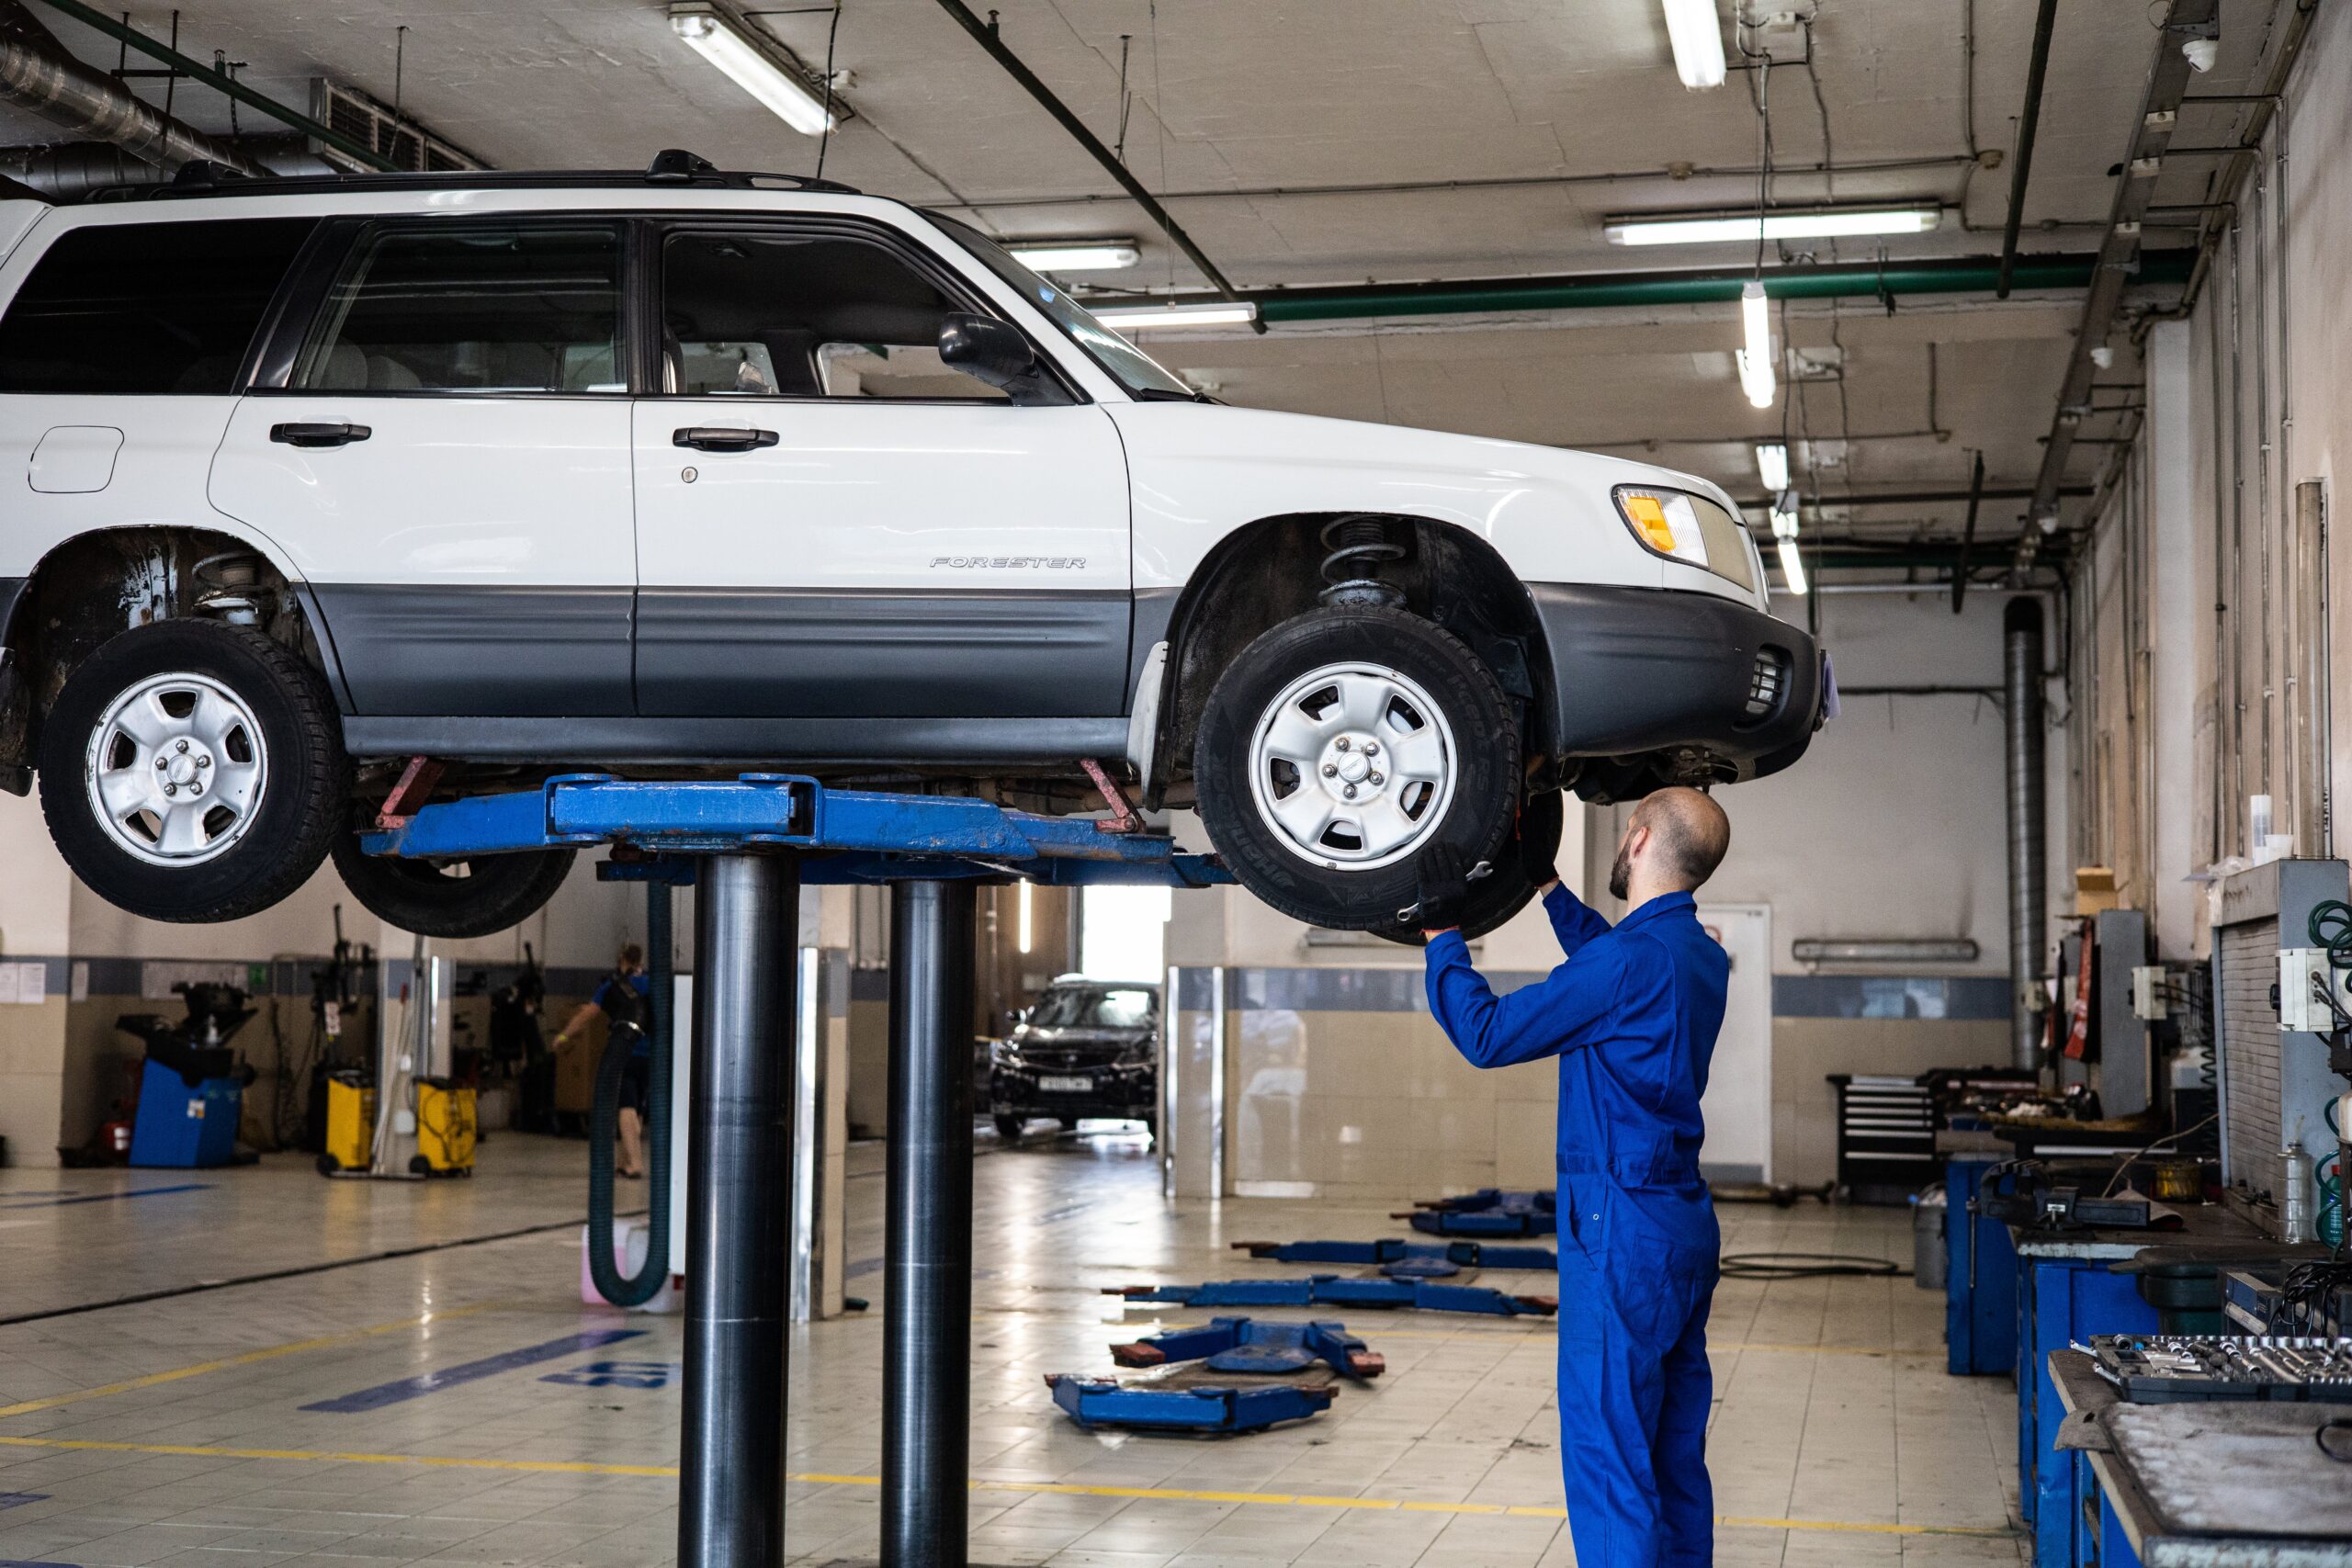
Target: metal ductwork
2027 806
91 104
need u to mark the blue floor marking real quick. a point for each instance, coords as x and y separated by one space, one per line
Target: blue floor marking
862 1266
58 1201
18 1499
488 1367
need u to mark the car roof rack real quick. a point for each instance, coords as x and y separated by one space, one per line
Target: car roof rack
670 166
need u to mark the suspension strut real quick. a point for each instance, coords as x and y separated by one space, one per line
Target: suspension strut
1356 547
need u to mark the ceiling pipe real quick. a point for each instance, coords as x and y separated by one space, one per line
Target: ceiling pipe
1968 275
1968 533
38 75
229 86
2120 260
985 34
2028 121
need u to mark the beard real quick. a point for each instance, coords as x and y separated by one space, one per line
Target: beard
1620 875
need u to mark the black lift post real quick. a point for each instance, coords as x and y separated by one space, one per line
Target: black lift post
743 840
927 1315
731 1450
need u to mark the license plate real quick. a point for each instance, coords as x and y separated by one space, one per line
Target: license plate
1067 1086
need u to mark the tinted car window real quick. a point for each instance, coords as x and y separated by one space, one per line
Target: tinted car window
146 308
1121 1008
769 313
473 308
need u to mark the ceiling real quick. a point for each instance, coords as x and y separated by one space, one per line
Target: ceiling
1524 122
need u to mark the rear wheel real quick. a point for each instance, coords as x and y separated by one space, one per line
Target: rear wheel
193 771
1009 1128
453 897
1340 744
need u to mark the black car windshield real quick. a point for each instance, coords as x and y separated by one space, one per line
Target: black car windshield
1128 365
1090 1009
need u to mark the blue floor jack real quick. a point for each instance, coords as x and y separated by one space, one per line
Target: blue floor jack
1401 1260
747 845
1332 1290
1490 1212
1198 1402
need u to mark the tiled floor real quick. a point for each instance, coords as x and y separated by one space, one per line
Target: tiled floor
294 1420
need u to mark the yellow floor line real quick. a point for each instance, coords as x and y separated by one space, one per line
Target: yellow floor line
249 1358
1026 1488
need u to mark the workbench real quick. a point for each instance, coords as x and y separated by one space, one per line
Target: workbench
2065 1293
2220 1484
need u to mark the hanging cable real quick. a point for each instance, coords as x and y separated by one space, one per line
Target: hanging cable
825 137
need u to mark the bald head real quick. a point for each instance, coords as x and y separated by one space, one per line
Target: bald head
1673 843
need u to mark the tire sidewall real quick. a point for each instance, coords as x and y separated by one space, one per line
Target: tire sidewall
500 891
283 844
1485 744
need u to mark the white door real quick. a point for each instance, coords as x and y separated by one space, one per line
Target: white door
832 523
447 466
1738 1103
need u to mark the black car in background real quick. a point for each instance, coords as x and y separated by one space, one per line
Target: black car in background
1088 1048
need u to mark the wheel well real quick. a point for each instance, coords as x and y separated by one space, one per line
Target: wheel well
1265 572
97 585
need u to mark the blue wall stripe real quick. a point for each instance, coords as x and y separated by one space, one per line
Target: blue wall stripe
471 1372
1302 989
1970 997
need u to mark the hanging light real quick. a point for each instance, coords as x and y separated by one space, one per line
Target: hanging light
1697 35
1792 569
744 64
1772 464
1755 376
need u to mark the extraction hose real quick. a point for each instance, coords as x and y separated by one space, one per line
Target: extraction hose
603 1269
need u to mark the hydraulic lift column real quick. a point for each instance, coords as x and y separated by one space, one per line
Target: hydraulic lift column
730 1457
927 1344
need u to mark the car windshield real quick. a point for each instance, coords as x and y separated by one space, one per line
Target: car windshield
1129 365
1094 1009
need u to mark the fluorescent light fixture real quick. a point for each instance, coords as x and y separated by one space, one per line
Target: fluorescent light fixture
1791 569
1143 318
752 70
1784 515
1772 464
1077 256
1755 378
1697 34
1819 223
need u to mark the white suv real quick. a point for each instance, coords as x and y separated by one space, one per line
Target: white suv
696 472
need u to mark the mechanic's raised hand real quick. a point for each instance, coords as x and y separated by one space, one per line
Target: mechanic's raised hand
1445 887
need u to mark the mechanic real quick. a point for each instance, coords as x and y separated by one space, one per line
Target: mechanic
1633 1017
626 998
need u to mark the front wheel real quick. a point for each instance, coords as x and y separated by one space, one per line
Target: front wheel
454 897
1342 743
193 771
1009 1128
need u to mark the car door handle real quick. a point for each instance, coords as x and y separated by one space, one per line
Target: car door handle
721 438
339 433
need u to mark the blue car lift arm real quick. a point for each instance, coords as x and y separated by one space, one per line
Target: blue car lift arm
1398 1258
1331 1290
749 843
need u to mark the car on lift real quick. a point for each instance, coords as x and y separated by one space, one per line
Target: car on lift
1089 1049
346 493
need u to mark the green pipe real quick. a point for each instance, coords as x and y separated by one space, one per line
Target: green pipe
123 33
1973 274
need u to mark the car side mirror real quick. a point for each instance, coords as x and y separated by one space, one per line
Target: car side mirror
990 351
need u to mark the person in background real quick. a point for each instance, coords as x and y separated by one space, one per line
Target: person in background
626 997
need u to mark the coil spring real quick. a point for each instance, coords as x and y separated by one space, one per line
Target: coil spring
1357 547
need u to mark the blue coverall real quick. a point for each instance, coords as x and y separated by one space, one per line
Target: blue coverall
1633 1017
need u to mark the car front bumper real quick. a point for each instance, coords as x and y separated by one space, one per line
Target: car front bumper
1121 1093
1645 671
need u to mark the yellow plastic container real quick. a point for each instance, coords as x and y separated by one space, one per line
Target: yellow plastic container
445 1129
351 1124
